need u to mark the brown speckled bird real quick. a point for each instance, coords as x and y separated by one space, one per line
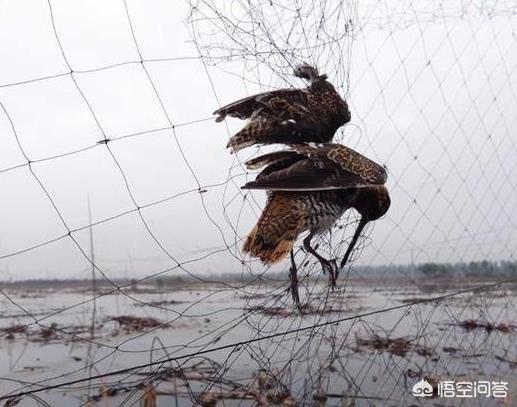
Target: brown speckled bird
309 189
312 114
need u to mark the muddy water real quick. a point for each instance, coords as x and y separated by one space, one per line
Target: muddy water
371 359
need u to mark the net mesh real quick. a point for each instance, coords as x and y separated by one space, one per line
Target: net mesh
115 172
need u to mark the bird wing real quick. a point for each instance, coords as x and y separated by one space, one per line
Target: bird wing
300 176
273 162
273 100
318 168
272 158
342 158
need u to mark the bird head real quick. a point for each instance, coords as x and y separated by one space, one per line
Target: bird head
306 71
373 202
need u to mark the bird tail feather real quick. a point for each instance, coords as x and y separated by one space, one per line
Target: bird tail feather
268 252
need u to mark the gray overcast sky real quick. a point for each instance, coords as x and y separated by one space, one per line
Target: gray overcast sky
433 98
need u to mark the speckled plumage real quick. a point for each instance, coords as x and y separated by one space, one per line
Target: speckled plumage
315 167
287 214
289 115
309 189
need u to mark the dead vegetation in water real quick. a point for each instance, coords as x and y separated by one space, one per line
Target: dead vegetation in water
512 363
471 325
396 346
131 324
264 388
43 333
305 310
257 296
160 303
196 372
125 324
12 331
416 300
203 384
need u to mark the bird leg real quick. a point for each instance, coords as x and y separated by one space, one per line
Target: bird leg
327 265
293 274
357 233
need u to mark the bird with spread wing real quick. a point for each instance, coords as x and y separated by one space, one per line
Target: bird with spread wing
312 184
312 114
309 188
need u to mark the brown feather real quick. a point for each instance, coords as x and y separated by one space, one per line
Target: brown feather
245 107
325 167
288 214
280 223
270 158
289 115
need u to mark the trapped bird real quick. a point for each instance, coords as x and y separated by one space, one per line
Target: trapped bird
309 189
312 114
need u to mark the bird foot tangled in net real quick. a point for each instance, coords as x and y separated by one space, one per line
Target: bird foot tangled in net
293 288
313 183
330 267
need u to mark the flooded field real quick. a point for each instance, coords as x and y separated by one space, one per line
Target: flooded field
225 344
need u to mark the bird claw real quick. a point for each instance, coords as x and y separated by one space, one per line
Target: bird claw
331 267
293 287
294 292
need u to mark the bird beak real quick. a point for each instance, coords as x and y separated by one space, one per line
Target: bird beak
358 230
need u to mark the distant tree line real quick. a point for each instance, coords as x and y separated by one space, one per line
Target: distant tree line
485 268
